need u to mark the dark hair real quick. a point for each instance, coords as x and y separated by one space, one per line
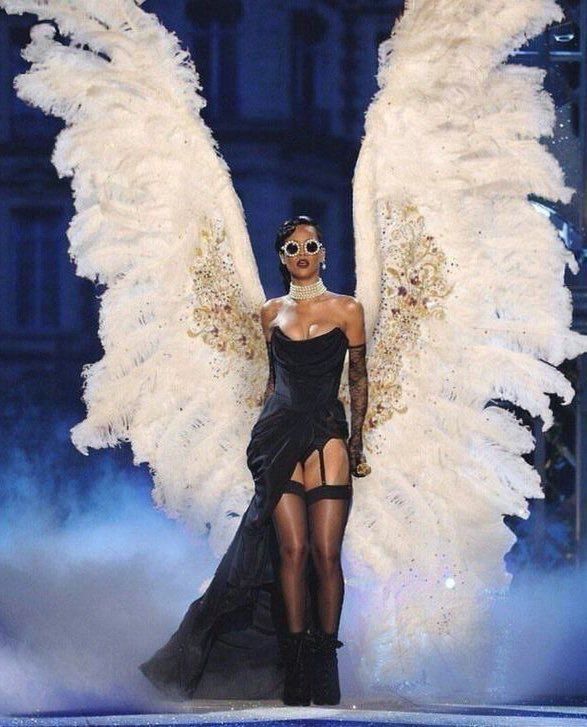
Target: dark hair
284 232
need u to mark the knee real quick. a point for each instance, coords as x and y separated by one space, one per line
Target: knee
326 559
295 552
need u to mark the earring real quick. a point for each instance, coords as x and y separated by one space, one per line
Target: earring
323 263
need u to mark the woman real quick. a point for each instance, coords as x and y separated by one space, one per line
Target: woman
301 458
311 517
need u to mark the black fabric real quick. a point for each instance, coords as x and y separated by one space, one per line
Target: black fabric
295 487
270 386
359 396
332 492
228 643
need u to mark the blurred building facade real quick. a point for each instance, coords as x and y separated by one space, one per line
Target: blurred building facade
286 84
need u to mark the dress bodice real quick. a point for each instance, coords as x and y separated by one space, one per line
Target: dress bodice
308 371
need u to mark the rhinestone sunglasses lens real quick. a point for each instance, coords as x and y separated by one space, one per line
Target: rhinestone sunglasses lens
310 246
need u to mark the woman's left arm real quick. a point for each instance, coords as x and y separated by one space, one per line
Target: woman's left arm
358 383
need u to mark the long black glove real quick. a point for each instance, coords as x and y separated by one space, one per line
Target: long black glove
359 395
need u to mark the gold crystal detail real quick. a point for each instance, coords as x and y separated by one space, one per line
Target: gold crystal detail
220 316
413 285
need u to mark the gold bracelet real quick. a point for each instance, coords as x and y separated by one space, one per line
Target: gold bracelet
363 469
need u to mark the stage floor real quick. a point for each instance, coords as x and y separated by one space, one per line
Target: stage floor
243 714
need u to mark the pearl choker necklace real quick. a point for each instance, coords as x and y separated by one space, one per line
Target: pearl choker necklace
303 292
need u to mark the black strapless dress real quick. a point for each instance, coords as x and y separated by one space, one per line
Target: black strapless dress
227 645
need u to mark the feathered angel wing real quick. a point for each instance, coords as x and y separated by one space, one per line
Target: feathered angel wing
159 223
462 285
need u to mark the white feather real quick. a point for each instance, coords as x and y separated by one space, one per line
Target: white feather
453 132
147 181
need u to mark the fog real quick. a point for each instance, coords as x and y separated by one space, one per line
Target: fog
93 579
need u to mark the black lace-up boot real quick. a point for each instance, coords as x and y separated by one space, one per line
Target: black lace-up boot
296 688
324 667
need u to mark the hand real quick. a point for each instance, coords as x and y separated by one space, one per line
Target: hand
357 458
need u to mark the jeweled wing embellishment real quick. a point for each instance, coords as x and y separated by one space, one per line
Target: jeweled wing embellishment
414 284
220 316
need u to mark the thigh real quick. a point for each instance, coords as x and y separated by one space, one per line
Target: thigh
327 520
298 473
334 468
290 516
328 510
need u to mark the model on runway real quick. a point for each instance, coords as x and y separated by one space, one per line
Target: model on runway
301 464
459 306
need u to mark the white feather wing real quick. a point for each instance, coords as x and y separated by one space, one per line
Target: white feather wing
461 279
159 224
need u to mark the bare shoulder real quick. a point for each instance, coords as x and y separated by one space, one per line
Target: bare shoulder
352 313
269 311
350 307
271 306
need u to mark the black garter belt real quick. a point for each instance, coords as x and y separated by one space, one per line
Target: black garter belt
336 492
